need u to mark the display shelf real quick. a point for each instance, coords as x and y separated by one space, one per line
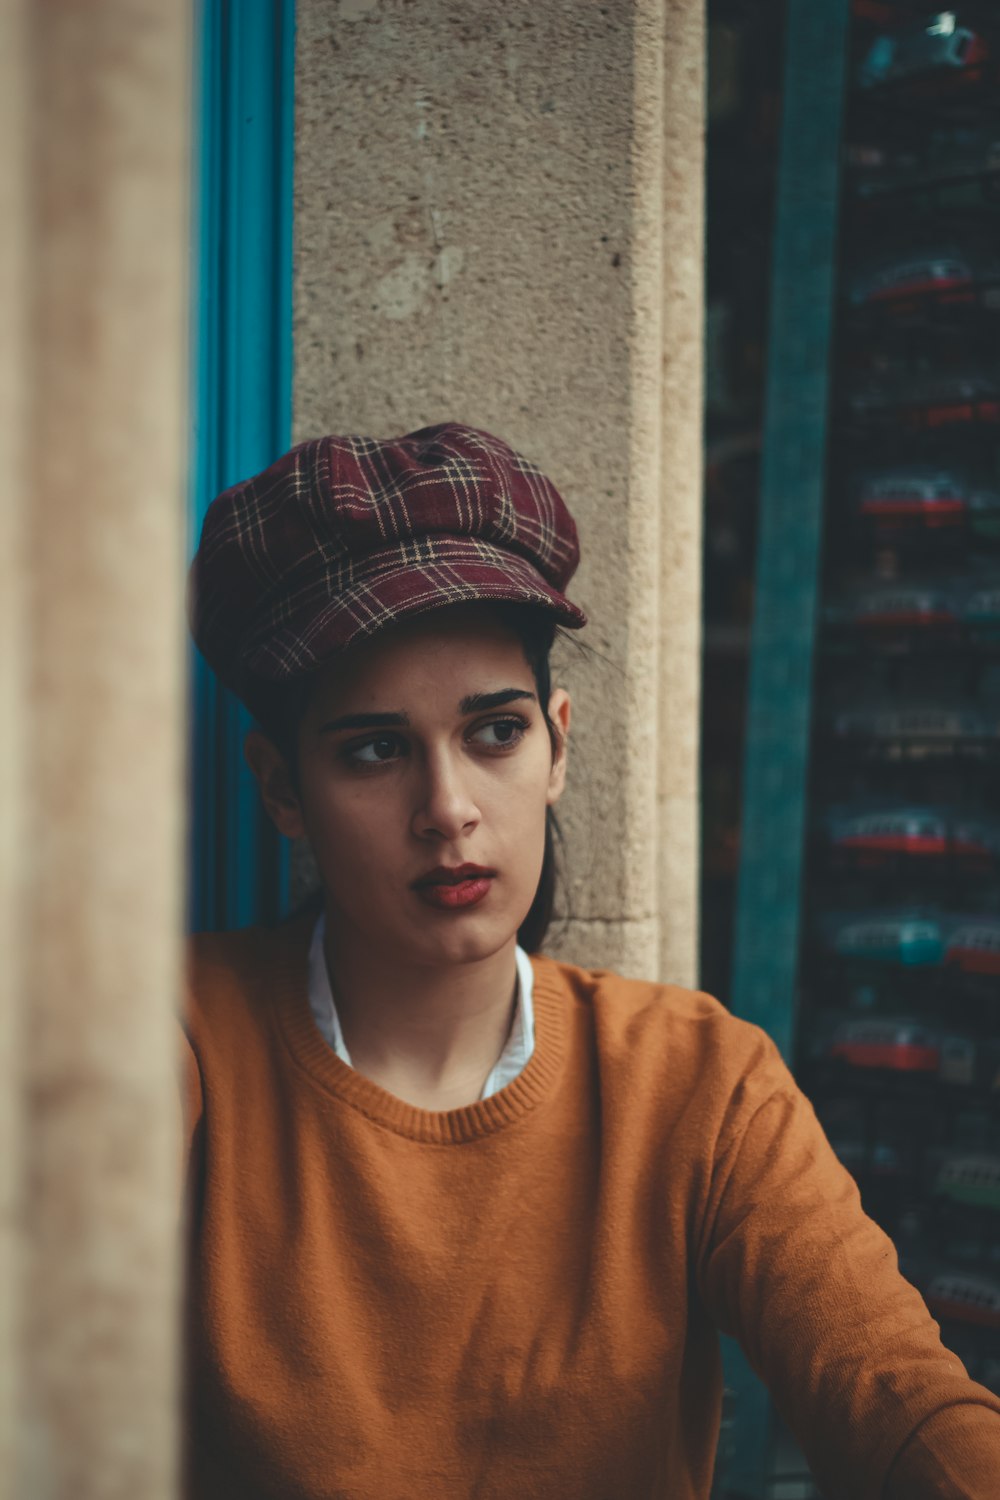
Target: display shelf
874 685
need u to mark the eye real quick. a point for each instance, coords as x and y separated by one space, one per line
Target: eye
501 734
377 750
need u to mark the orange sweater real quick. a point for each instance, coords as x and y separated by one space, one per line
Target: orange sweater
520 1298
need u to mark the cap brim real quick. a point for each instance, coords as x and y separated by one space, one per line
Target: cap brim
468 572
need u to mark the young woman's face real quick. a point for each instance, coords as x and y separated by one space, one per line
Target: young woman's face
423 751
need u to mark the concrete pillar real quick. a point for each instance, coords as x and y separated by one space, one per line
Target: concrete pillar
91 757
682 394
13 371
498 220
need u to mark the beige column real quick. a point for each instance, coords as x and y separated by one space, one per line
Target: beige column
498 220
91 754
13 454
682 393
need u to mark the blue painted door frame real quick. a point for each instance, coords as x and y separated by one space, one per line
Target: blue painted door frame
241 400
803 283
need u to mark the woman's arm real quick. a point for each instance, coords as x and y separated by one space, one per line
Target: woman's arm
953 1455
791 1265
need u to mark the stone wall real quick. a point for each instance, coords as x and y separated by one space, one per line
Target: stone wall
499 220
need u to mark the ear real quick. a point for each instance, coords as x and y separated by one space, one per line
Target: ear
276 791
559 713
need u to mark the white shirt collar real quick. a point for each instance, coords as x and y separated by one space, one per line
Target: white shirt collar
517 1050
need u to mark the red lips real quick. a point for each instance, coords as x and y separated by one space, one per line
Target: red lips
455 888
453 874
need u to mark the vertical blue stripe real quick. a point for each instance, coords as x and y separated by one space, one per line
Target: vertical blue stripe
242 392
803 280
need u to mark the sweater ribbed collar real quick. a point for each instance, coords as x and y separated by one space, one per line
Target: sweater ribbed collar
313 1053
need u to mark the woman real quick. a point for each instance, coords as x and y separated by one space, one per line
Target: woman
465 1222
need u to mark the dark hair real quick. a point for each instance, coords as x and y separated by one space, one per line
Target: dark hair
279 712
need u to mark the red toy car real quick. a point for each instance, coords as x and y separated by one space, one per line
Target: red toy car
903 1045
973 945
870 837
965 1297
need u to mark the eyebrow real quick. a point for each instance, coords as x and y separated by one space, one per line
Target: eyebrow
365 721
474 703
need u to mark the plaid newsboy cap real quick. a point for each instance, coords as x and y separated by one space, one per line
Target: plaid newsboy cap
344 535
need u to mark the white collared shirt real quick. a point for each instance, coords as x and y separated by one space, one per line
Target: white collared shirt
519 1045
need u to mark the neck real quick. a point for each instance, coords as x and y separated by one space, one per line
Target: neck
429 1035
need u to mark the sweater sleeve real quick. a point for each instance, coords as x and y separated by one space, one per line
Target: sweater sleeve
789 1263
953 1455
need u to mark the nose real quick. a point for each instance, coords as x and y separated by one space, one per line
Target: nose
446 808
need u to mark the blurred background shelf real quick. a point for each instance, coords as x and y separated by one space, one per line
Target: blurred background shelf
850 659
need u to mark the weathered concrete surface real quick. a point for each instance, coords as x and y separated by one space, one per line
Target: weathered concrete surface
98 711
13 357
488 228
678 803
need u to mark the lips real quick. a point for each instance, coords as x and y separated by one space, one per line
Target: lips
454 888
454 875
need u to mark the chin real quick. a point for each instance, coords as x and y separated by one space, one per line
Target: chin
467 942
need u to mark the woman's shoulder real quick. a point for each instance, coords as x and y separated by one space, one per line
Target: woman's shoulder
214 955
642 1012
239 968
669 1046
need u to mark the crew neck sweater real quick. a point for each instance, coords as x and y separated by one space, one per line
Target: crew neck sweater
516 1050
520 1298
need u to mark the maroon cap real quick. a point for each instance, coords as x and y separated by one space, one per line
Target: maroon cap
343 535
